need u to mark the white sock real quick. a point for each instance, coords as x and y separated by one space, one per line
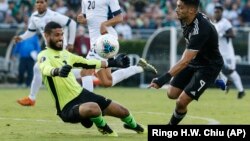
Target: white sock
122 74
77 73
87 83
237 81
36 82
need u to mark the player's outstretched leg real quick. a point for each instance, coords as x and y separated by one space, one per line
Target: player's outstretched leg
142 66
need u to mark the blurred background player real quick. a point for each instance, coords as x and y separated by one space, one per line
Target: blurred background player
226 33
100 17
26 51
37 22
75 104
82 42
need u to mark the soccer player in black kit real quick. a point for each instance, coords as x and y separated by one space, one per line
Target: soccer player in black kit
200 64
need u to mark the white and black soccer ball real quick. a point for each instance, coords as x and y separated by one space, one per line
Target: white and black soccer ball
107 46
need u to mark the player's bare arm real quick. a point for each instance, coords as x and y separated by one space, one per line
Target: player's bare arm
187 56
27 34
115 20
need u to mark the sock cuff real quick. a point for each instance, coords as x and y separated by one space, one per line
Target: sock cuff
130 121
179 115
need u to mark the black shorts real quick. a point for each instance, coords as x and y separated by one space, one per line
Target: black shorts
70 112
194 81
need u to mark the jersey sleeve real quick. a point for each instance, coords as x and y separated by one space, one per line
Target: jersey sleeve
83 7
79 61
31 31
114 6
44 64
31 26
61 19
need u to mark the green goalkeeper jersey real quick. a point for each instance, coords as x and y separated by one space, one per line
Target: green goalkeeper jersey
63 89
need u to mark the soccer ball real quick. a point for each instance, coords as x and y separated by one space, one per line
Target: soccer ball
107 46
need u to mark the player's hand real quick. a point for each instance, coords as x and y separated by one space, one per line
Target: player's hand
17 39
153 84
62 72
160 81
103 29
70 48
120 61
81 19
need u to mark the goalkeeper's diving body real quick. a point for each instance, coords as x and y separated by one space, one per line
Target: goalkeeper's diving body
75 104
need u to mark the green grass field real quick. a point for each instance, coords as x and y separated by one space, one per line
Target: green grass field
149 106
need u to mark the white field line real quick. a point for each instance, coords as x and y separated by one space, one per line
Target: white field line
209 120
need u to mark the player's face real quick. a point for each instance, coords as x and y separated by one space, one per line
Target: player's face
217 14
55 39
41 6
183 11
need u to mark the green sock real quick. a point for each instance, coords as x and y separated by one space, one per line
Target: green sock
130 121
99 121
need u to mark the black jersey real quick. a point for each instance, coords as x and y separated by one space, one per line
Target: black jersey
202 36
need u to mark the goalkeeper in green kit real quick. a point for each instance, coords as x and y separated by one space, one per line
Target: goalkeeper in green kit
75 104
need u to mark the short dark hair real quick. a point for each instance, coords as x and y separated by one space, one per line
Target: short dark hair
51 25
194 3
218 6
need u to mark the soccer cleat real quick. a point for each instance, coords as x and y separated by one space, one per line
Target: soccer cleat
26 101
96 82
146 66
220 84
139 129
241 95
106 130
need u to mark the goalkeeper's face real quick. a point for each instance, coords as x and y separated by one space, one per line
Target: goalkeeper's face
55 39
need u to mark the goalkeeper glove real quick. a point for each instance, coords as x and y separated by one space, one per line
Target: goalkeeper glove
62 72
120 61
